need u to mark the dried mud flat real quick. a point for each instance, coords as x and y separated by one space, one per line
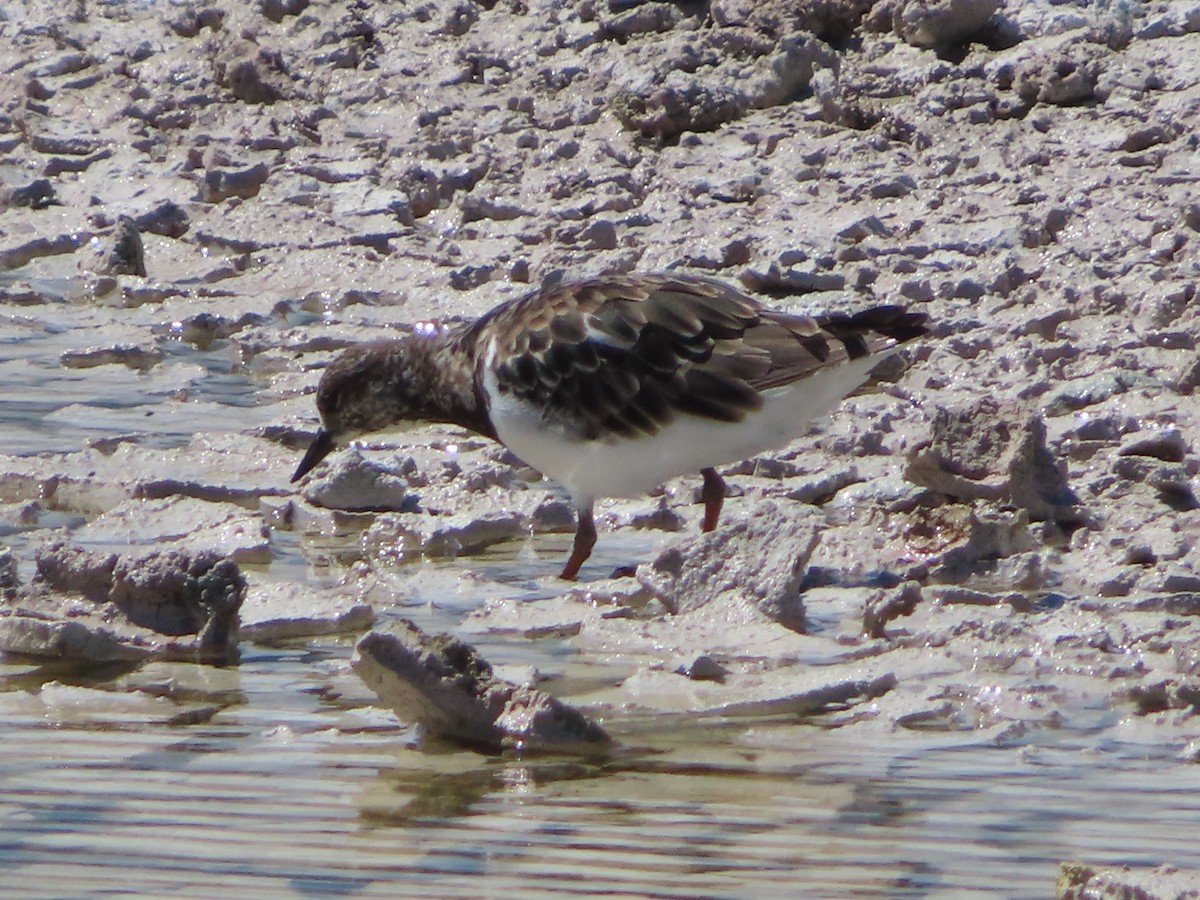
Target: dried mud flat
1004 532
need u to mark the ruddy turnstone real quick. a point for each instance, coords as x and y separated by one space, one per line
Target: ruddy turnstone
613 385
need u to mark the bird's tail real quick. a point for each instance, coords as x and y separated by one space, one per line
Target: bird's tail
875 329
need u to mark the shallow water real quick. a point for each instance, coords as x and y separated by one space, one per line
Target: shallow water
279 776
292 788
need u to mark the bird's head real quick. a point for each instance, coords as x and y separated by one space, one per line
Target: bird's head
366 389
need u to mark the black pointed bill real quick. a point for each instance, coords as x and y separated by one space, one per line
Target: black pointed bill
320 448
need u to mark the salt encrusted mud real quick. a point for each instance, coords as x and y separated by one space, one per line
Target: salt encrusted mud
286 609
1004 532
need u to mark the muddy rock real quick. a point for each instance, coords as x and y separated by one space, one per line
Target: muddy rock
38 194
1167 444
829 20
127 256
220 184
696 83
96 607
1171 482
702 668
18 255
450 691
963 540
396 536
166 218
252 73
1061 76
356 484
9 582
565 615
755 563
991 452
188 23
642 19
884 606
277 10
785 691
943 23
137 358
72 705
75 570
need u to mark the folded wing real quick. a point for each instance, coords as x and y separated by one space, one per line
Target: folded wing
621 357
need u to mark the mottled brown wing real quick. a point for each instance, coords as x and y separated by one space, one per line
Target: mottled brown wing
622 356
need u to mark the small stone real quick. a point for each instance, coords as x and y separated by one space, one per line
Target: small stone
1140 139
1167 444
189 22
600 234
139 358
703 668
900 186
37 194
247 80
646 18
277 10
167 218
219 184
1065 78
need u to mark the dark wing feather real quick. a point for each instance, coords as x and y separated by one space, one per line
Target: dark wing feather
621 356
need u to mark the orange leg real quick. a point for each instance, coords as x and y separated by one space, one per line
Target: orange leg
713 495
585 540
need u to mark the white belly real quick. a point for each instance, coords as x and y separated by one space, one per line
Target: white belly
630 467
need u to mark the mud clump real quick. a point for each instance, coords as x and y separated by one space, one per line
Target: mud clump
97 607
829 20
941 24
983 452
698 83
756 563
127 256
449 690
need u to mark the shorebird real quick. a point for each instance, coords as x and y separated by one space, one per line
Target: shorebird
615 384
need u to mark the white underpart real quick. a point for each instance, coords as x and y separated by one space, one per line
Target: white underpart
630 467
